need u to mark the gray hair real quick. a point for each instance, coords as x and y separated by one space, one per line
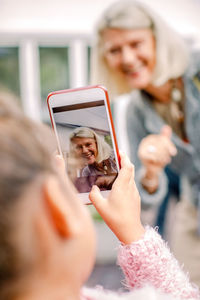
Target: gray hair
103 149
171 51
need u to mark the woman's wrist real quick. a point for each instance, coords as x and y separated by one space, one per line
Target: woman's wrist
150 181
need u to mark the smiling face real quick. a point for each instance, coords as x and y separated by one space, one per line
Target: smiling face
131 53
86 148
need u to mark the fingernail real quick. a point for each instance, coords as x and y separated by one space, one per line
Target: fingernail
94 187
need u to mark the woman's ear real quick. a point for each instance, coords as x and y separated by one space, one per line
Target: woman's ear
61 213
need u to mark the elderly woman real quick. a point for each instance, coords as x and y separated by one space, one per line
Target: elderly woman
94 159
157 120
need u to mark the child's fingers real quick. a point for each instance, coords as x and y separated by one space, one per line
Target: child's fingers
95 197
124 159
60 164
132 178
126 171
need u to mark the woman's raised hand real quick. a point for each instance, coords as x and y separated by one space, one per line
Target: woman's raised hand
121 210
155 152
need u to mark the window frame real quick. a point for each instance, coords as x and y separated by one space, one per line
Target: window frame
29 63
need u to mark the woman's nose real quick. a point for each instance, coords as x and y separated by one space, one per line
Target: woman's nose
128 55
84 149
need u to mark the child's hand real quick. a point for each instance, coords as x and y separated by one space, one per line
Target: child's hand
60 164
121 210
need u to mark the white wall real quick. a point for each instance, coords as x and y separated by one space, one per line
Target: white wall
79 16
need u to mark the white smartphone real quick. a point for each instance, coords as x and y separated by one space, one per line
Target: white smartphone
82 121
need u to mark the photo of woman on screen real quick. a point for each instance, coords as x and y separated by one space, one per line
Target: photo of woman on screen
93 158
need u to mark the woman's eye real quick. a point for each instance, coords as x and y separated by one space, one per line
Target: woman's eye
88 145
114 51
78 147
135 44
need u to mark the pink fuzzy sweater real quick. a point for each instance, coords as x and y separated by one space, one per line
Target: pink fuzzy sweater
151 272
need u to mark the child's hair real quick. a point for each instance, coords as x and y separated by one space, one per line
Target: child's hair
24 157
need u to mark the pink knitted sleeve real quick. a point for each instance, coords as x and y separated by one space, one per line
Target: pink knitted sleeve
149 261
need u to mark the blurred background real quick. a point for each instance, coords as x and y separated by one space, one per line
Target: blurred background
45 46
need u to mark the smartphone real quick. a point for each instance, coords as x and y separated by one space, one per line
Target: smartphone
82 121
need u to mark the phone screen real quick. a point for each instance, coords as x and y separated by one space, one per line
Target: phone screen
86 143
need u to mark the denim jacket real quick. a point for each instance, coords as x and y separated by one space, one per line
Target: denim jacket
135 118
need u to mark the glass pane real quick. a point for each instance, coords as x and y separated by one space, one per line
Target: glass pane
54 72
9 70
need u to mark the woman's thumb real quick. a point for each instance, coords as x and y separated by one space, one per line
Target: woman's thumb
166 131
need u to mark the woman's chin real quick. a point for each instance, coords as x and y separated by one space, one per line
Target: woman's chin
91 161
141 81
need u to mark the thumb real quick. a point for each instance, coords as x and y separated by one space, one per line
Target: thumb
166 131
60 164
95 197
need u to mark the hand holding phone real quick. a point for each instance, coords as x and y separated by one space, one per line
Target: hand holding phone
86 139
121 209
